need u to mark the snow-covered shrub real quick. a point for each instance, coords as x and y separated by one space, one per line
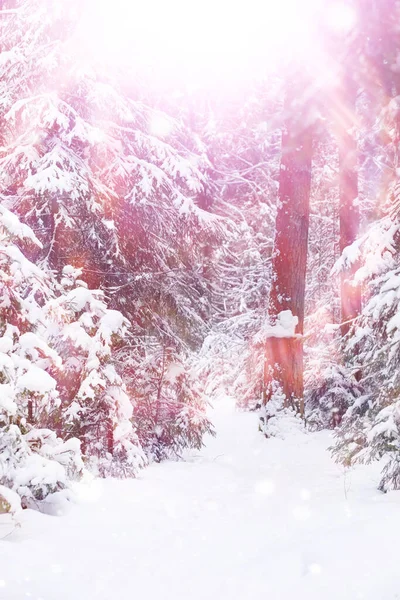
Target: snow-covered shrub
10 507
276 419
249 383
329 394
95 406
10 502
232 366
33 462
84 397
37 464
169 405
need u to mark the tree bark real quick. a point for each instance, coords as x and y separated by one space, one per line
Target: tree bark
110 437
349 213
284 355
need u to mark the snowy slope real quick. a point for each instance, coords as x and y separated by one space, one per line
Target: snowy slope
246 518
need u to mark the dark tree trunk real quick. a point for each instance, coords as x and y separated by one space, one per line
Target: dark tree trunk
284 355
110 437
30 411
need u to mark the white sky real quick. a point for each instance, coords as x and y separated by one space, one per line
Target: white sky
206 40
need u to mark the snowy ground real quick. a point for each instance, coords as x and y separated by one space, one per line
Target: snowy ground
245 518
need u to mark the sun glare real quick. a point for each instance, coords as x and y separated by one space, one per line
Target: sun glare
212 37
341 17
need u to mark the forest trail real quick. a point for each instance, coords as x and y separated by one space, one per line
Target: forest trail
245 518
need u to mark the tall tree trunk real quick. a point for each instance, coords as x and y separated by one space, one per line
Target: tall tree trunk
349 213
284 355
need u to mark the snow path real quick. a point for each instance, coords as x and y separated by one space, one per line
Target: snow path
245 518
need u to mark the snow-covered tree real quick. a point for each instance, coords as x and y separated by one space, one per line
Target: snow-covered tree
370 426
95 406
169 403
241 134
110 184
33 461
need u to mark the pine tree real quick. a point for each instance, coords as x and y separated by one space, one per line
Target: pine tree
369 429
169 404
109 183
95 406
33 461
